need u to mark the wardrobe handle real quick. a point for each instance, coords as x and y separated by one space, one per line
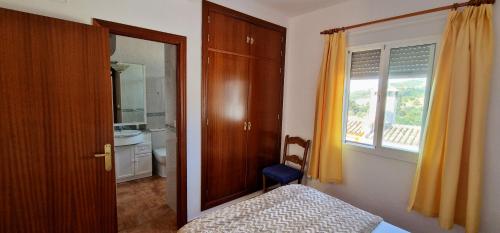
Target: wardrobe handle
248 39
251 40
249 126
245 126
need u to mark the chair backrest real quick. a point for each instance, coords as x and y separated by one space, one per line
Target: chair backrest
295 158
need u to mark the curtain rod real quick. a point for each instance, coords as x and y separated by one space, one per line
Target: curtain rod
448 7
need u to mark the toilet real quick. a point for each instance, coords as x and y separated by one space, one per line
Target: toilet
164 142
158 141
160 155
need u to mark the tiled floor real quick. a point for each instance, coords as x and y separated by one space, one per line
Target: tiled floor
142 207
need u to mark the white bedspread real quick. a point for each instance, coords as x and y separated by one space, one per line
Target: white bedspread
291 208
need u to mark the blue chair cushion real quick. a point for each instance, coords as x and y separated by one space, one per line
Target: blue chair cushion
282 173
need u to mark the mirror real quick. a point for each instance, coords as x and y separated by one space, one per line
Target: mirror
129 86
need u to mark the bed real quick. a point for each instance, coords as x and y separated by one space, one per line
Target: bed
291 208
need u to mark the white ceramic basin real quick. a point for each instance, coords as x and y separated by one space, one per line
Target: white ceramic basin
126 133
128 137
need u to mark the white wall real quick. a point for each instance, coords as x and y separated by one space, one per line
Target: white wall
136 51
181 17
151 54
374 183
170 84
377 184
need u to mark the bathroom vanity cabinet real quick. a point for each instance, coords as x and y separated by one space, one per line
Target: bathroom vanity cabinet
133 162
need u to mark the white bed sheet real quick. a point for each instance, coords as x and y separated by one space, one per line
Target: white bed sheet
290 208
385 227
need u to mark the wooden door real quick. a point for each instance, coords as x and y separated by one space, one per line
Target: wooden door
56 113
228 33
226 111
265 106
266 43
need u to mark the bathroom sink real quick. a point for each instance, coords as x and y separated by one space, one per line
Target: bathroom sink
126 133
128 137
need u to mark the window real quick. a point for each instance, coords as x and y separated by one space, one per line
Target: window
363 97
387 95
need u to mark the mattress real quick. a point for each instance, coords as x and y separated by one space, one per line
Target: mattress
290 208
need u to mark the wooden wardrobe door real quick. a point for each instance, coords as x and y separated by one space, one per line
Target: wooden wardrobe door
55 96
226 106
266 43
264 114
228 33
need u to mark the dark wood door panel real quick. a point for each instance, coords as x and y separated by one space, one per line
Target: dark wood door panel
265 106
226 177
56 100
227 92
228 33
266 43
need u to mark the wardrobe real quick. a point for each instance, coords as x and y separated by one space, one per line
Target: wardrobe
243 59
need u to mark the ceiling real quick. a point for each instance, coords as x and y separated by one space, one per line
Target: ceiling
297 7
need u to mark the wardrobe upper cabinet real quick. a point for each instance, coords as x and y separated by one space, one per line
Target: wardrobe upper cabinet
266 43
242 102
228 33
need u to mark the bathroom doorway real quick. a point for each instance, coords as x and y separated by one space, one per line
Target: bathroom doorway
148 78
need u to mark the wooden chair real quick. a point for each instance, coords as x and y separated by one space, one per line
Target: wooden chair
282 173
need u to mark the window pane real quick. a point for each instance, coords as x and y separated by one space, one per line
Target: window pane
362 110
410 70
362 102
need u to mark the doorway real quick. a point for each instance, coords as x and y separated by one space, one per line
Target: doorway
149 103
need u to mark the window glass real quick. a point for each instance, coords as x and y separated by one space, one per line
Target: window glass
363 96
410 71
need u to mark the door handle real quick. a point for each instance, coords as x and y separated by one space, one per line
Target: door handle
249 127
245 126
108 164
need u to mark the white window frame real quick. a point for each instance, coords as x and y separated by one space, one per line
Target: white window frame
377 148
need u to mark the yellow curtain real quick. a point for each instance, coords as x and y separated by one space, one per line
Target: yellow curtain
326 158
447 183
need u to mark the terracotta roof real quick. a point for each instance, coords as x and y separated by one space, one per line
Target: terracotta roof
355 128
395 134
